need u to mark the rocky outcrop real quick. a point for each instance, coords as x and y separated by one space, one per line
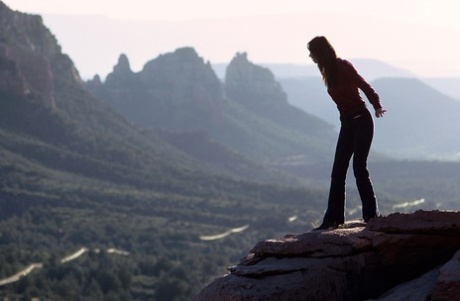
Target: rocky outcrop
123 90
183 77
176 91
11 80
35 53
410 257
184 88
256 89
250 84
122 76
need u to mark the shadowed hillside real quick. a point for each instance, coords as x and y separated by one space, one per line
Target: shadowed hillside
421 122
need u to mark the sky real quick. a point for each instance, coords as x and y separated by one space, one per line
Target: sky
422 36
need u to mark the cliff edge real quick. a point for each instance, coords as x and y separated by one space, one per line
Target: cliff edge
411 257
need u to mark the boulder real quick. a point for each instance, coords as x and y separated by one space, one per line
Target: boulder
398 257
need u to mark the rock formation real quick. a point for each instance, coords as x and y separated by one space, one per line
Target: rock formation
122 77
249 113
32 54
175 91
251 84
255 88
410 257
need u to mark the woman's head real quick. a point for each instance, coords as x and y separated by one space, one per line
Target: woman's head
321 49
323 54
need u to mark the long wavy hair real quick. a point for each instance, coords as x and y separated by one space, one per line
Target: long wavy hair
325 57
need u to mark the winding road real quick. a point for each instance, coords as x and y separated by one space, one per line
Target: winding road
225 234
18 276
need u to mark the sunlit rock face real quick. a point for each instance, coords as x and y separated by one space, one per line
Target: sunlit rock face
399 257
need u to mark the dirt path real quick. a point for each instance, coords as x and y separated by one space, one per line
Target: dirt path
19 275
16 277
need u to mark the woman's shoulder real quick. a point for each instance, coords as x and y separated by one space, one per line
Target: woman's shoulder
345 65
344 62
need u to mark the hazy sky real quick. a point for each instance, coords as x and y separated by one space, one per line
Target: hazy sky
420 35
437 12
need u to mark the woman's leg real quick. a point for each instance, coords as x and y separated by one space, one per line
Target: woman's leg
335 213
364 132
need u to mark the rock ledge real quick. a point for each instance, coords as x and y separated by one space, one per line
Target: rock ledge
398 257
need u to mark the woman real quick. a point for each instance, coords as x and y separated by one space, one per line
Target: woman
356 131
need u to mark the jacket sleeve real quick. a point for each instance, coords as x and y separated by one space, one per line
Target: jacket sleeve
362 84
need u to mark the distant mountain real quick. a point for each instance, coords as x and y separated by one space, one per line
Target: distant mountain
449 86
249 113
369 68
375 69
310 94
175 91
52 125
421 123
49 118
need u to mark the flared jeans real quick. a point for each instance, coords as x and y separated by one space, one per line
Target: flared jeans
355 139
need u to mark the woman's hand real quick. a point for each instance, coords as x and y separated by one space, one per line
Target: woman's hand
379 112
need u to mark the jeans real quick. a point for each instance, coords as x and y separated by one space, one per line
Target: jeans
355 139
